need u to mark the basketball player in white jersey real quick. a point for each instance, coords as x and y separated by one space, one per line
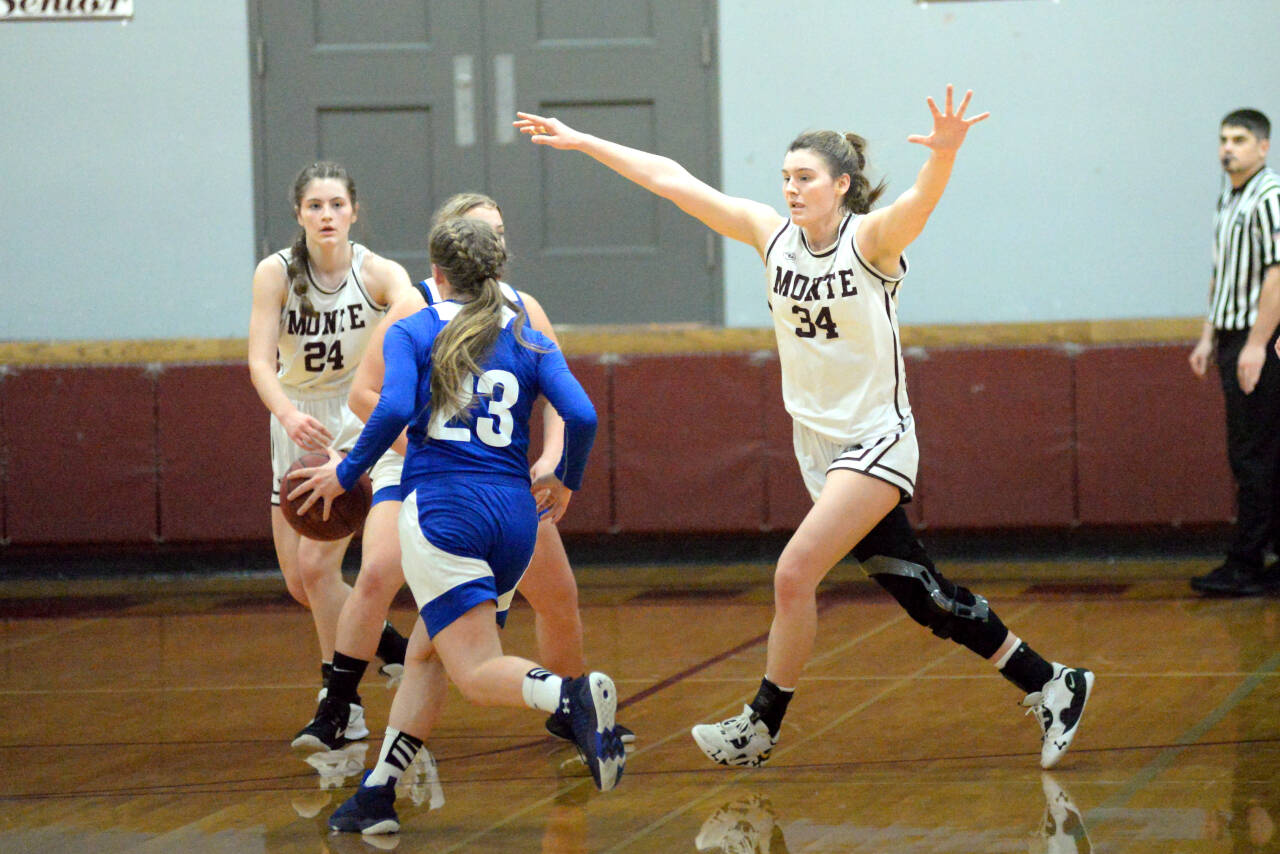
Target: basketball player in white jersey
833 268
315 306
548 584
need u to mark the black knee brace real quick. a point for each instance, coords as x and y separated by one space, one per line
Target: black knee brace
892 556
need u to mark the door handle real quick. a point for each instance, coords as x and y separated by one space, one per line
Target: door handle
464 101
504 98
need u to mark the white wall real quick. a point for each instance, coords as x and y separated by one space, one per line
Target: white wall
1089 193
126 174
126 153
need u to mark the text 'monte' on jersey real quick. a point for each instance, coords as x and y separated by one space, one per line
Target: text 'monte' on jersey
319 353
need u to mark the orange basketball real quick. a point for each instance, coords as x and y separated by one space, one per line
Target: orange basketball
346 514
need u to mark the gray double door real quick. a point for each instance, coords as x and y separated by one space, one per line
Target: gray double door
417 99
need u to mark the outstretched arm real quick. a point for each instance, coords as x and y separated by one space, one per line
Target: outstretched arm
366 383
744 220
886 233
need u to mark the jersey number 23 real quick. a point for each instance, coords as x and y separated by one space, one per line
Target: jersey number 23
495 427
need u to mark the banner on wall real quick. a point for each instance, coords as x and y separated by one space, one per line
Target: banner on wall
65 10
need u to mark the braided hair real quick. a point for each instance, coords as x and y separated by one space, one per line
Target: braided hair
472 256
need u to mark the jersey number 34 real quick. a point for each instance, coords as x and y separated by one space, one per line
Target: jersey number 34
496 425
809 326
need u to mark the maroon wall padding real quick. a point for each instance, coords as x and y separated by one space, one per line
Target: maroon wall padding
995 430
789 501
591 510
1151 438
917 506
215 461
82 455
688 441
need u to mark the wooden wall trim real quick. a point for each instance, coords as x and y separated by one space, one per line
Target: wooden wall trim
642 339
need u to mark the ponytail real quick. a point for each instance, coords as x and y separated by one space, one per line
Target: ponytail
299 274
471 256
861 195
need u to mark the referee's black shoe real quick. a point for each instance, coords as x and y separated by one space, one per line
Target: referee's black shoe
1230 579
1270 579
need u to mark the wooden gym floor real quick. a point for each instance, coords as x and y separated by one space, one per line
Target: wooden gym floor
154 716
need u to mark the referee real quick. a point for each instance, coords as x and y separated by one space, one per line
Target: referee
1240 333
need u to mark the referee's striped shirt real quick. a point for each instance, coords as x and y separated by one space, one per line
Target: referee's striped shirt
1247 243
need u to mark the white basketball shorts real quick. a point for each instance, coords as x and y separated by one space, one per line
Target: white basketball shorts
893 458
333 413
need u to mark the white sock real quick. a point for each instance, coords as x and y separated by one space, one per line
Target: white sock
541 690
398 750
1013 647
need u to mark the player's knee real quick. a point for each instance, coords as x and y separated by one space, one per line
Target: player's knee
297 591
793 584
946 609
551 596
472 686
377 585
293 583
315 573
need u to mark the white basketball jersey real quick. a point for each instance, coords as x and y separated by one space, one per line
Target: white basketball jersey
319 353
836 320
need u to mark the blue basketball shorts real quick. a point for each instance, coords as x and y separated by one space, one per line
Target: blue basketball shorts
464 541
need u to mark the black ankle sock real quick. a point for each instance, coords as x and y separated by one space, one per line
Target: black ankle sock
1026 669
344 681
392 646
771 704
326 670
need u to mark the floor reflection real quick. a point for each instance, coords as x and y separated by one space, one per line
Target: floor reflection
1062 830
749 824
746 825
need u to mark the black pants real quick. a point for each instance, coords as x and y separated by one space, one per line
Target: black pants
1253 448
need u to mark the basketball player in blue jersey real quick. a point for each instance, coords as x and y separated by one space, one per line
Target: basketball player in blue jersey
833 269
315 306
463 375
548 584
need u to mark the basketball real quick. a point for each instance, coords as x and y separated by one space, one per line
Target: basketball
346 514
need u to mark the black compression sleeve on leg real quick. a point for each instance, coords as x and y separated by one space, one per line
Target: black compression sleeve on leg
1026 669
893 556
392 646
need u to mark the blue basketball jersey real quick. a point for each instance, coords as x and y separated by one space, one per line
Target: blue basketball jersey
469 521
494 440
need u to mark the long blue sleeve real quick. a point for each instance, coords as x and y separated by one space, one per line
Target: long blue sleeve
566 394
394 410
